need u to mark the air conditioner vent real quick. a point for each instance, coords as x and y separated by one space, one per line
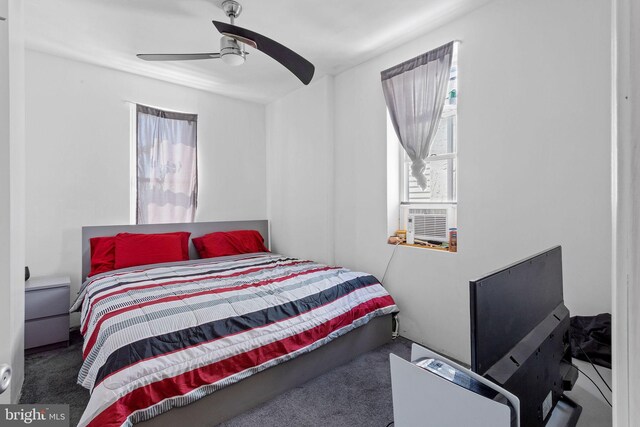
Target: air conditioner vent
429 224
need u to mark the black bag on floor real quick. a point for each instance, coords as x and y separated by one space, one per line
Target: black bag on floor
591 335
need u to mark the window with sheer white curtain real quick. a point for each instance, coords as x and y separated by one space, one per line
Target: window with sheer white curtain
441 163
422 103
166 166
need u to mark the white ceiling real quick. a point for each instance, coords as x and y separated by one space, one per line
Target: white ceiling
333 34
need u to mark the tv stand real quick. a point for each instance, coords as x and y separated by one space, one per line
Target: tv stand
565 413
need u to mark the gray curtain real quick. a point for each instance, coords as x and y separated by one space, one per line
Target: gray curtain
415 92
167 166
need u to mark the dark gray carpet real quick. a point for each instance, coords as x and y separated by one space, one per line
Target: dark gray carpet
357 394
50 377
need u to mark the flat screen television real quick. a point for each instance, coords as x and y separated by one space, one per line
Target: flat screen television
520 335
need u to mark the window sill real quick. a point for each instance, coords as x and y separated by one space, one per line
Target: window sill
431 247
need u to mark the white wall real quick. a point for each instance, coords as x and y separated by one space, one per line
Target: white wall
78 141
534 169
12 175
300 172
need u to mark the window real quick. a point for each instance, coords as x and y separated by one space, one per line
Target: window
433 210
440 170
166 184
442 160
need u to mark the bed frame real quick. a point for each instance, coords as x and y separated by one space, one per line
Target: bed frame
259 388
240 397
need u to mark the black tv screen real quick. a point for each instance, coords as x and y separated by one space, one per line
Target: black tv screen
508 304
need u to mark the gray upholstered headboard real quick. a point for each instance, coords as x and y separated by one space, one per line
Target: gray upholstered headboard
195 228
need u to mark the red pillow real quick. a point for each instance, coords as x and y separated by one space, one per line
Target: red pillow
103 251
229 243
142 249
103 254
184 243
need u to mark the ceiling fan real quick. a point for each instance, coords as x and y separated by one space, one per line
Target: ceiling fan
232 47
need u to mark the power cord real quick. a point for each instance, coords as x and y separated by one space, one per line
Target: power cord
396 329
389 425
389 263
594 383
594 367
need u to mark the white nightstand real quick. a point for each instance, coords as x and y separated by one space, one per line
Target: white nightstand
46 304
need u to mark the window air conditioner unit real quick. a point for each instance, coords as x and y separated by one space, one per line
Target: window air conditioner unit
431 223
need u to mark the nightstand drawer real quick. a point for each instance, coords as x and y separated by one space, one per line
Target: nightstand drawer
46 302
46 331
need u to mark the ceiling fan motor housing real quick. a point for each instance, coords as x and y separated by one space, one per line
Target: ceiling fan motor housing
231 52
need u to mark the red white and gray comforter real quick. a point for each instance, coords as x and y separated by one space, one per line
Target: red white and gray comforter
162 336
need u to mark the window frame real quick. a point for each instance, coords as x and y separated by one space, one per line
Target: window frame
451 156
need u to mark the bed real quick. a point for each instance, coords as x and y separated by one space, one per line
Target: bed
208 339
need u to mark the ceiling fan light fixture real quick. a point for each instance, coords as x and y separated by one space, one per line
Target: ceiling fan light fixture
230 52
232 59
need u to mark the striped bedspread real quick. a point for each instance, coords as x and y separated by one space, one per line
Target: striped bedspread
164 336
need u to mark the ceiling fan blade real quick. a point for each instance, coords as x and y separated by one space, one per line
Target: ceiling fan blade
176 56
295 63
